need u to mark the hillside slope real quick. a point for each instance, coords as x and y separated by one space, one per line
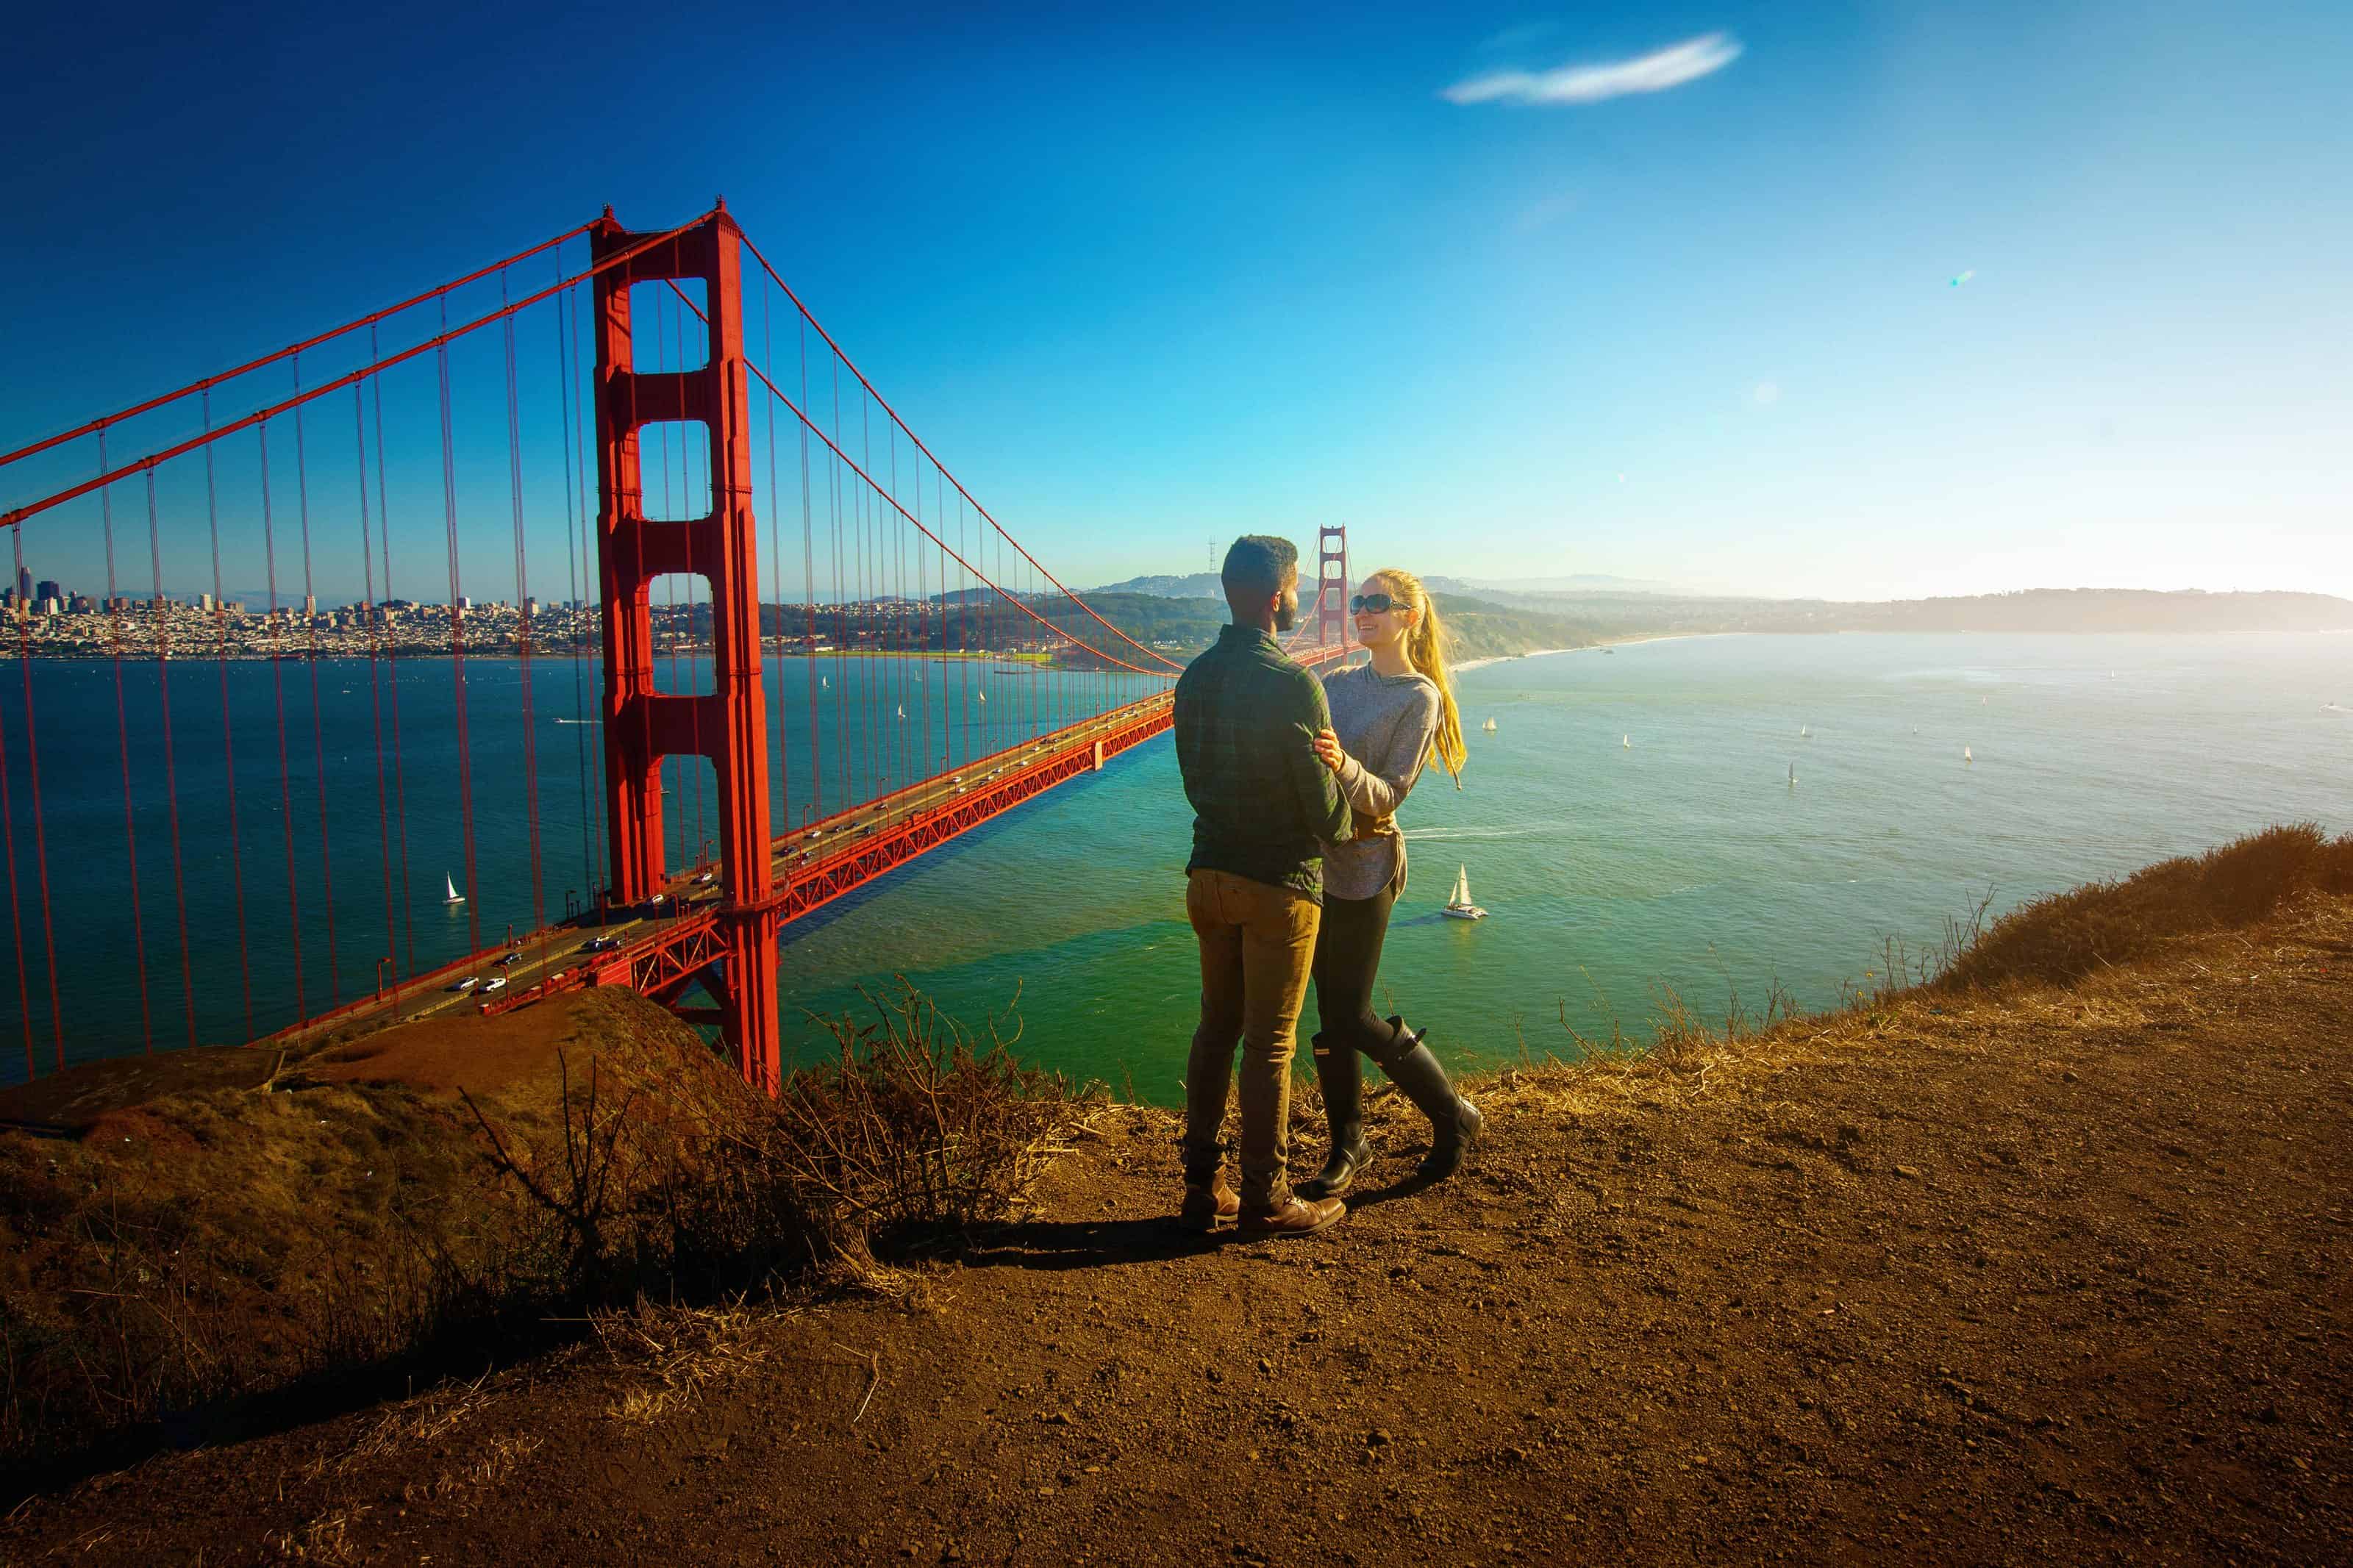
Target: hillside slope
2041 1273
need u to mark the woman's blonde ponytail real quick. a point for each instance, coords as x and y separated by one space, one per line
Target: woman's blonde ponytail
1425 649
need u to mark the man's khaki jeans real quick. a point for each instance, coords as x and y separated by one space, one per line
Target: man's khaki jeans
1257 942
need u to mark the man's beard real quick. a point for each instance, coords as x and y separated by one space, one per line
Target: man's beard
1286 614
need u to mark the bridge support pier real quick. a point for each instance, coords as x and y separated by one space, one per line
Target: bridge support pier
728 725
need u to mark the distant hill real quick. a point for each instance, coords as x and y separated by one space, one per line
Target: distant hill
1199 586
1493 622
2103 610
1205 585
2083 610
1587 582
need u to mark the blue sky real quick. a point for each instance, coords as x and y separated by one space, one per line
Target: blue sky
1660 291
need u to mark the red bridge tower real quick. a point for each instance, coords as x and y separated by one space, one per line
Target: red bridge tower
729 725
1332 586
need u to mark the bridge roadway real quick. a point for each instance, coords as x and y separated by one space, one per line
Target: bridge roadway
657 947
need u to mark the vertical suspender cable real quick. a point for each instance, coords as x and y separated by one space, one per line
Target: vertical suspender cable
228 747
16 910
458 647
891 597
523 610
318 722
924 624
572 577
869 588
960 640
32 776
808 587
278 681
392 673
370 617
589 568
841 639
171 772
123 750
777 583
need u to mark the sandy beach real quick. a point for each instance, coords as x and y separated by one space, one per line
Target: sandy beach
1468 666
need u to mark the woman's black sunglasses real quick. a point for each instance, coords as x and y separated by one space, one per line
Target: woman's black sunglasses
1369 604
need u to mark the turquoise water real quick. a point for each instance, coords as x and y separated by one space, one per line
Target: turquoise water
1685 860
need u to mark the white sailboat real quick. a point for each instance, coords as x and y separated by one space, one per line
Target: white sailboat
455 897
903 711
1460 906
1489 726
983 696
1804 733
1627 741
1965 756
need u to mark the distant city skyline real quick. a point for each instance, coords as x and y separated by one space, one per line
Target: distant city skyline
1769 300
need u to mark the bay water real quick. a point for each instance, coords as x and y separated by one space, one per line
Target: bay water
1630 824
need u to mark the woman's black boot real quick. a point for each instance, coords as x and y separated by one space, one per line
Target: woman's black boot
1454 1122
1342 1074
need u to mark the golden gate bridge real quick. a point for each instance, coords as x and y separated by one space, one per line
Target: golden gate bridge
899 568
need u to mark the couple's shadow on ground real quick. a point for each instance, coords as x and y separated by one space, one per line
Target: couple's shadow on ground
1059 1244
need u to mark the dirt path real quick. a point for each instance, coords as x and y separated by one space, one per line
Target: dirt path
2062 1279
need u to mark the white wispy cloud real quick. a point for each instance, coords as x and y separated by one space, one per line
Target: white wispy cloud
1672 67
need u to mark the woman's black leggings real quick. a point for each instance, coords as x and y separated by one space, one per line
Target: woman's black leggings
1347 961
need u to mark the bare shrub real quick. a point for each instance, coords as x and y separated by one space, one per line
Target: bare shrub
912 1130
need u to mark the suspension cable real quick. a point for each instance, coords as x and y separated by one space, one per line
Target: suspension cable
375 367
208 382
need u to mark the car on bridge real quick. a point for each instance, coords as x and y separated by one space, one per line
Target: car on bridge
601 943
496 983
467 984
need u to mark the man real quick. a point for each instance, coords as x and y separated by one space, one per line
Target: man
1246 719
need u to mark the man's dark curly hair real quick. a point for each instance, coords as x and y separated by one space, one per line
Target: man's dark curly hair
1257 566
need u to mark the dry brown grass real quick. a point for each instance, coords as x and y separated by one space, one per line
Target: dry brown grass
2066 936
676 1356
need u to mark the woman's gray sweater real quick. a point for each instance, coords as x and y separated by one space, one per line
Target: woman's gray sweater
1386 724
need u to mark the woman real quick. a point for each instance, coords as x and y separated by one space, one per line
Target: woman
1388 718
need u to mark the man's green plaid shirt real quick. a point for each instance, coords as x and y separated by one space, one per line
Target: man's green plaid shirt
1263 804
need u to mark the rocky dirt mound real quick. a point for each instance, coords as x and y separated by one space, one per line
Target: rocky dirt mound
182 1228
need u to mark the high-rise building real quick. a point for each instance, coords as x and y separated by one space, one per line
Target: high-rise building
24 585
205 603
309 606
48 589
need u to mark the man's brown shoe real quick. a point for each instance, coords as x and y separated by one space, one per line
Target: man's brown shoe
1209 1205
1294 1216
